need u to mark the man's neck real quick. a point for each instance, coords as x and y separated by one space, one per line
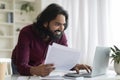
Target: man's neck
47 39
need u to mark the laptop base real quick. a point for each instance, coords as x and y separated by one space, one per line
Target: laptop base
86 75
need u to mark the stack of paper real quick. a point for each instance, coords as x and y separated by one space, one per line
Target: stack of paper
57 77
23 78
64 58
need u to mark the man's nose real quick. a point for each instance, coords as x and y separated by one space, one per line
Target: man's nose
62 27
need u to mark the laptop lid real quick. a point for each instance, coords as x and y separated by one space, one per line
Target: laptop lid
101 60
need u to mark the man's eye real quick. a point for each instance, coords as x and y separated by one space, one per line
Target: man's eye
64 24
57 24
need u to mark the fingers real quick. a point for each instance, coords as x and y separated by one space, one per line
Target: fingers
87 68
47 72
82 67
77 70
45 69
49 67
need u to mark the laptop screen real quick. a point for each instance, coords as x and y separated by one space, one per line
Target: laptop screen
101 59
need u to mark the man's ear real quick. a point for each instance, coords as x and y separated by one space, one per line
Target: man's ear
45 24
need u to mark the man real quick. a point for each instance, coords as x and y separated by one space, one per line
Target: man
30 52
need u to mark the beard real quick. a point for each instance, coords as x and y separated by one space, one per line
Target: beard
53 35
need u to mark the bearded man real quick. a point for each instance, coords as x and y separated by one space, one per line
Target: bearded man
30 52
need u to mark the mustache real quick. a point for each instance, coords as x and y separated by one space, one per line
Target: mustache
58 32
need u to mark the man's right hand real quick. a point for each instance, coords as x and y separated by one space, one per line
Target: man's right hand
42 70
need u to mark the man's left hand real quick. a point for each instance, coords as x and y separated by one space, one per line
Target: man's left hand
78 67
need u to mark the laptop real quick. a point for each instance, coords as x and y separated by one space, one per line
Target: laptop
100 63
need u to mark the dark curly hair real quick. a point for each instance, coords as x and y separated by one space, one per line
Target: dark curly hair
48 14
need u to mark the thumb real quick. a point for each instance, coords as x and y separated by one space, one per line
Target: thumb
77 70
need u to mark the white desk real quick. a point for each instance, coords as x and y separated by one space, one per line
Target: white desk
110 75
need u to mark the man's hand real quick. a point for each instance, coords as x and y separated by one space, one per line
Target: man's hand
42 69
78 67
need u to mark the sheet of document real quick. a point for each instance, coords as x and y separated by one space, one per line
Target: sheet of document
23 78
64 58
56 77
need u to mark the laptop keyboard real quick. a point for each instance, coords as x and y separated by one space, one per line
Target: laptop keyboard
77 75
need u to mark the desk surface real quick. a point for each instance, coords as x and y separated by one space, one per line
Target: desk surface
110 75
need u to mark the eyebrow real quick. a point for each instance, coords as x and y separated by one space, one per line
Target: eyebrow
60 23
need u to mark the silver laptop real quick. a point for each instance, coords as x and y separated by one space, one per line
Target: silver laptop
100 63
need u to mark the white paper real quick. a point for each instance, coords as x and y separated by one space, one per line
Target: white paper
62 57
23 78
55 77
34 78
